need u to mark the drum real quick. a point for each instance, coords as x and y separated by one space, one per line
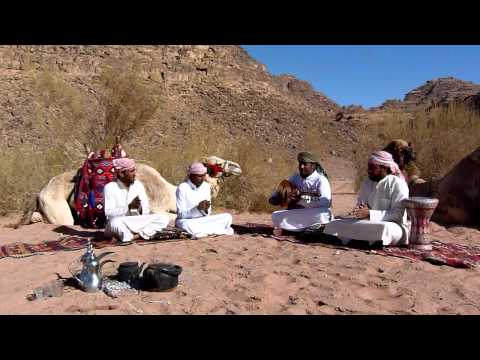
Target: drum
420 210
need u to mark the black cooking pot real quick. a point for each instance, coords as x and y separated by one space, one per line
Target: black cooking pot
129 272
161 277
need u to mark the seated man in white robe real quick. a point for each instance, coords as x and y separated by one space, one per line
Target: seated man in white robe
309 204
127 207
194 206
379 214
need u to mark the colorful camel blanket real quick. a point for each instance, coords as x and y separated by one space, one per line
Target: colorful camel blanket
455 255
75 242
89 190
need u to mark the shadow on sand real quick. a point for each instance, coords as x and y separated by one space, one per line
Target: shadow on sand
66 230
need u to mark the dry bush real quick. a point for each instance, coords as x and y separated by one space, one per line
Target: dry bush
61 111
121 104
441 138
128 99
23 172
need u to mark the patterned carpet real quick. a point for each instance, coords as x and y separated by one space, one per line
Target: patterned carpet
73 242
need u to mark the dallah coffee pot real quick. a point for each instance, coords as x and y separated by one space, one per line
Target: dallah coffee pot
90 277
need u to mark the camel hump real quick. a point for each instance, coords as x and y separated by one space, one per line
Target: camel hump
160 192
60 186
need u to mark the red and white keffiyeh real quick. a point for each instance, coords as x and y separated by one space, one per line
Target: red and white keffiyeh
384 158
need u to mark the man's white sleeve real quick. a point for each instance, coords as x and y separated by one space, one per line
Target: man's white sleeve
111 210
184 209
326 192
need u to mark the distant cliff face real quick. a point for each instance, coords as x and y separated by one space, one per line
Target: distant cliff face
435 92
201 83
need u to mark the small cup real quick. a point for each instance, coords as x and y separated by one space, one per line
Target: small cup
53 288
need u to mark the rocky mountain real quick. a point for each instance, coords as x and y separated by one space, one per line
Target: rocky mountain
54 97
215 85
436 92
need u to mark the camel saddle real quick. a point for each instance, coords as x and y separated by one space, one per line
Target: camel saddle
96 172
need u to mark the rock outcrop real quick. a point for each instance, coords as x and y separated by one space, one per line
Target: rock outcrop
436 92
473 101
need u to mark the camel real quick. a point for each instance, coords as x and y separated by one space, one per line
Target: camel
404 155
55 200
458 192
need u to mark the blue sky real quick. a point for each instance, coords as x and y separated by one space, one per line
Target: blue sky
368 75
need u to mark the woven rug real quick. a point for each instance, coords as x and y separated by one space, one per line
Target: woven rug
72 242
455 255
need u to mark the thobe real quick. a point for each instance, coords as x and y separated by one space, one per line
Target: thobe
190 219
388 218
124 223
316 197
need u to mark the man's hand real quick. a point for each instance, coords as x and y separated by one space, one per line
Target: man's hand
361 212
203 205
293 197
135 204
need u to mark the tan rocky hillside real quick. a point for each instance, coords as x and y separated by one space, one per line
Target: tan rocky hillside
214 85
51 98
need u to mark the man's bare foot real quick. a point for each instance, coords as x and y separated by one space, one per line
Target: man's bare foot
116 241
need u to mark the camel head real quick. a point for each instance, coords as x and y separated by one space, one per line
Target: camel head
402 152
219 167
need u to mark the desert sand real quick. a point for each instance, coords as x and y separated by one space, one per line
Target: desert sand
243 274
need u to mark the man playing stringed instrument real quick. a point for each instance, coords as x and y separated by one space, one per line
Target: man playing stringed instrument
306 195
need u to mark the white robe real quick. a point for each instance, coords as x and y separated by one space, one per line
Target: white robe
315 211
123 223
388 218
190 219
